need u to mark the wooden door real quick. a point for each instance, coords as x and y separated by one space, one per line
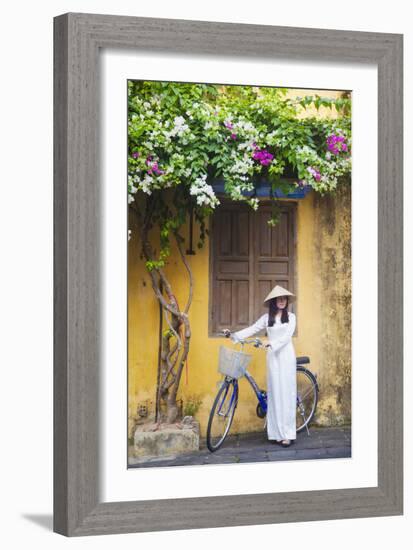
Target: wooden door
248 258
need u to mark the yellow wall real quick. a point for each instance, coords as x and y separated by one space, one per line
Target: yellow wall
322 307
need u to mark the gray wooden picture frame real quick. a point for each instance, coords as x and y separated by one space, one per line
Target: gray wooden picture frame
77 294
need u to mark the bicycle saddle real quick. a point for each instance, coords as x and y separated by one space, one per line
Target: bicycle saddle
303 360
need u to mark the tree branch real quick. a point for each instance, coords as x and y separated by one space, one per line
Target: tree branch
178 240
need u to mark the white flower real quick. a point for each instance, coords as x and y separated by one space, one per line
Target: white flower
179 128
244 125
254 203
241 165
203 192
146 184
156 100
131 198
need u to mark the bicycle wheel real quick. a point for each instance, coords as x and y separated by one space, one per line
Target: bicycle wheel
307 397
222 414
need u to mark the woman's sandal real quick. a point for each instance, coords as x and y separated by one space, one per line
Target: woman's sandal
286 442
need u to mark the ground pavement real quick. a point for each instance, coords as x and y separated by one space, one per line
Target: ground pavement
321 443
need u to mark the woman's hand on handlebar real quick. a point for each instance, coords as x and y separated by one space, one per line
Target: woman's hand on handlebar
260 344
257 343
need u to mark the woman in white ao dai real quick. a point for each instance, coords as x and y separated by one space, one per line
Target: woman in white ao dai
281 366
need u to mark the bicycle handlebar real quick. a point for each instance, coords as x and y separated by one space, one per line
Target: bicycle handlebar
256 342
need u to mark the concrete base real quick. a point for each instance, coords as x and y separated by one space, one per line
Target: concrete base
153 441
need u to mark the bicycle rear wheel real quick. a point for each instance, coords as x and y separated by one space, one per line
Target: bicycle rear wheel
307 397
222 414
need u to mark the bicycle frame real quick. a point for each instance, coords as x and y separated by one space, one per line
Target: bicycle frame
258 392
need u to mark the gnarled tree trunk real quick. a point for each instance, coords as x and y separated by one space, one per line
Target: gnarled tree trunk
176 339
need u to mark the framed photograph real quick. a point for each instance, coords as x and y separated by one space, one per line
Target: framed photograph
228 274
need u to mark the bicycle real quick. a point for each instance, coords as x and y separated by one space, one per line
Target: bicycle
233 364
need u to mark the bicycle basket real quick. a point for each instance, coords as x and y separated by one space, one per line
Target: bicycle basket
233 363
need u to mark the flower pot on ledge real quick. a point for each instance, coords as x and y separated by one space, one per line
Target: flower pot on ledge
263 189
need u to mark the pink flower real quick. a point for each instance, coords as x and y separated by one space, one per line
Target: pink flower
153 167
263 156
315 173
336 144
234 136
135 155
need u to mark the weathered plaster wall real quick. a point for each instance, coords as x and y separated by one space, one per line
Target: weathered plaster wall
332 258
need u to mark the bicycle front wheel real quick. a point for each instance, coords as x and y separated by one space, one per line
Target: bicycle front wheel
222 414
307 397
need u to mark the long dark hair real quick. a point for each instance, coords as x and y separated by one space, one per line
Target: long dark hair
272 312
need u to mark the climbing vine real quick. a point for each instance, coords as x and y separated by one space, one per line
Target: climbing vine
188 135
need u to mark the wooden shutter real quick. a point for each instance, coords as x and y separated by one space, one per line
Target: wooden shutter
274 255
232 265
248 258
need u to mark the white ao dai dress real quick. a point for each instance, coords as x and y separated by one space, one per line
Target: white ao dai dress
281 374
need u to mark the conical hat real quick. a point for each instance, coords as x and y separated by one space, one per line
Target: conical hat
279 291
